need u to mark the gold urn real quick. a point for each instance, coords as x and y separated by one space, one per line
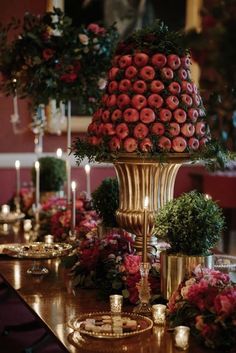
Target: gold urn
141 176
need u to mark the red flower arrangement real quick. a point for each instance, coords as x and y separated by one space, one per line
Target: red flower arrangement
110 264
53 59
207 303
55 218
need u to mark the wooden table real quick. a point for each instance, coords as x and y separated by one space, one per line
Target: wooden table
54 300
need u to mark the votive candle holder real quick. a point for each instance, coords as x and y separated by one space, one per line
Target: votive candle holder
181 337
159 314
49 239
116 302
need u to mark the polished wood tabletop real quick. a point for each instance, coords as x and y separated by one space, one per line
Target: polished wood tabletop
53 298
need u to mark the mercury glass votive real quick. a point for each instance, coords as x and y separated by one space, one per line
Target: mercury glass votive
116 302
49 239
27 225
5 210
159 314
181 337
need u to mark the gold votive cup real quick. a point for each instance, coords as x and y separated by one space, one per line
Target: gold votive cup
116 302
159 314
49 239
181 337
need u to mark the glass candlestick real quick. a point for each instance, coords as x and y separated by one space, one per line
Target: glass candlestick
144 290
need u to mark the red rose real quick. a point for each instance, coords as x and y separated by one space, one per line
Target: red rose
93 27
69 78
48 53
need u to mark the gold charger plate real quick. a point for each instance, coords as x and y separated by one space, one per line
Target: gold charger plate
144 324
36 250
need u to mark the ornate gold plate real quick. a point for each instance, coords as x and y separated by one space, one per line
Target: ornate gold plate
78 324
36 250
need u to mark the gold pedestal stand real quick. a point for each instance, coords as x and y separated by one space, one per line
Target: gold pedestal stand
143 177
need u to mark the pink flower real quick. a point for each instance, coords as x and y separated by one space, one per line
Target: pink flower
225 302
96 29
132 263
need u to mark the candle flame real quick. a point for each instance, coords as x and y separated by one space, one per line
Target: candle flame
87 168
59 153
17 164
146 202
73 185
36 164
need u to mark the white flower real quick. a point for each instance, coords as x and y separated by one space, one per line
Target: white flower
102 83
95 40
184 291
190 281
83 39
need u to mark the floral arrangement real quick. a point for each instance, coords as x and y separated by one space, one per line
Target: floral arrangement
207 303
111 265
55 218
212 49
52 59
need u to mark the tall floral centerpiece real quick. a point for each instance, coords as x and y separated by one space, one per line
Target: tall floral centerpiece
50 58
151 112
150 120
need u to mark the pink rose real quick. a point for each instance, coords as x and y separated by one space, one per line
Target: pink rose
93 27
132 263
225 302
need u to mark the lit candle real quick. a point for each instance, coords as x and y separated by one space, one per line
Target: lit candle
181 337
145 228
5 210
37 184
59 153
73 219
88 187
159 314
17 165
49 239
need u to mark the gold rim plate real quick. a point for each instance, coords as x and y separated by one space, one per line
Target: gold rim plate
36 250
144 324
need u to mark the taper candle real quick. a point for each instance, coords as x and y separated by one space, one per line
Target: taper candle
68 165
88 186
145 228
73 219
17 165
37 184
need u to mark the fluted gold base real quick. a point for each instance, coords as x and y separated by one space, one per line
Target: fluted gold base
140 177
174 268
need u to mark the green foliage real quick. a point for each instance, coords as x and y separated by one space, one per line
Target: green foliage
192 224
153 39
106 201
52 173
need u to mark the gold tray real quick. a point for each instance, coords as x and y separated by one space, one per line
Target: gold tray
11 217
144 324
36 250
